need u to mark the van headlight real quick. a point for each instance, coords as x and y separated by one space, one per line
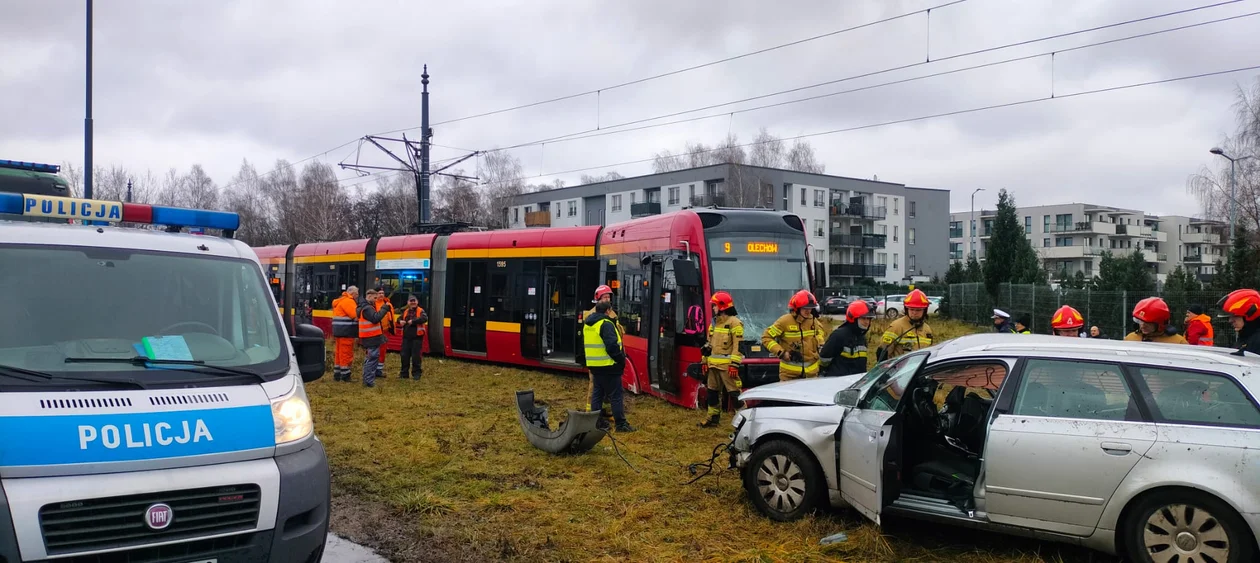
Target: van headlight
292 417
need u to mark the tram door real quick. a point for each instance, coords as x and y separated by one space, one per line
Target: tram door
663 327
560 319
467 305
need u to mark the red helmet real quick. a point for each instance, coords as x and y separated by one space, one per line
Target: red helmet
858 310
1243 303
722 300
602 291
1067 318
802 300
916 300
1152 310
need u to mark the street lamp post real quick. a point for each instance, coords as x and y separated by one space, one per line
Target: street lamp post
971 225
1233 200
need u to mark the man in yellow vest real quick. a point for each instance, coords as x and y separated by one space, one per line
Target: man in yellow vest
603 294
796 338
606 359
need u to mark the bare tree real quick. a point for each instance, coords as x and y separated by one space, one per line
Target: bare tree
767 151
259 214
73 176
322 210
605 177
801 158
457 200
667 161
503 179
1211 186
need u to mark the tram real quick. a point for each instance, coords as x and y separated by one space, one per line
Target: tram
516 296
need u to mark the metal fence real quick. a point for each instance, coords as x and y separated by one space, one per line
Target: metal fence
1110 311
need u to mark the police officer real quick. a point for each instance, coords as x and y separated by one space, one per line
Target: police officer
721 356
796 338
1152 316
412 324
1243 308
845 351
1002 322
606 360
909 332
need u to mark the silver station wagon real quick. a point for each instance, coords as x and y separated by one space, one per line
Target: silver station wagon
1147 450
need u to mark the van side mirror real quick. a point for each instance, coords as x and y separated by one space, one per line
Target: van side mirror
686 274
308 347
848 397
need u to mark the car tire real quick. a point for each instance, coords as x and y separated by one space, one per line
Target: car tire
891 314
1194 523
784 481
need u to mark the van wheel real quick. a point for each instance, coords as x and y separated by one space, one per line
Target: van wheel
784 480
1186 526
891 313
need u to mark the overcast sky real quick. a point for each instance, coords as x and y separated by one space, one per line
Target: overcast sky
179 83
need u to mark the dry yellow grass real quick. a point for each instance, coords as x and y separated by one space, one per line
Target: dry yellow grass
447 458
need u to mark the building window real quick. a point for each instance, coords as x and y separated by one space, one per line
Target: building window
955 229
910 263
820 228
557 209
820 198
634 198
654 196
516 215
881 258
883 202
1027 224
1045 242
803 197
673 196
955 251
883 230
894 260
909 235
896 232
910 205
973 227
1045 224
691 191
573 208
529 209
616 203
819 255
896 206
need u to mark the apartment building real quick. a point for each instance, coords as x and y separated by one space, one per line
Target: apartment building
1074 236
856 228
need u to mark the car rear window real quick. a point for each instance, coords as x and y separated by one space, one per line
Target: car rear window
1199 398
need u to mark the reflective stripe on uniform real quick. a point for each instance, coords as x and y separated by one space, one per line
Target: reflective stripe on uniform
797 366
368 329
850 353
593 344
774 331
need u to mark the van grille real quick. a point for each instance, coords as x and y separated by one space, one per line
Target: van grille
116 522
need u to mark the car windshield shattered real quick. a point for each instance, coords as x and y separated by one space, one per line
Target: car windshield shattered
194 316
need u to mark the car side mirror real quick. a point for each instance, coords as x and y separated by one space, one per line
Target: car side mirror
308 347
686 274
848 397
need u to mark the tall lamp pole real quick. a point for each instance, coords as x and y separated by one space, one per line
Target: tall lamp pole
971 225
1233 201
87 120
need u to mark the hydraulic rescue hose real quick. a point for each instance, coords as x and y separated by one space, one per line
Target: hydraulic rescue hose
693 468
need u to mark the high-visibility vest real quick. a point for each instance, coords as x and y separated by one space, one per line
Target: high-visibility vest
368 329
596 352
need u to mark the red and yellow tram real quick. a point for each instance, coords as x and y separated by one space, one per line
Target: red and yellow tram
516 296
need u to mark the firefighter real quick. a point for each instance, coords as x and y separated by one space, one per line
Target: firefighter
1067 321
1199 331
721 356
909 332
796 338
845 352
1243 308
412 324
1152 316
345 329
603 294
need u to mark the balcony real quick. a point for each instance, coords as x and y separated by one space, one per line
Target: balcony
955 233
709 200
645 209
1196 259
538 218
858 270
1200 238
859 241
841 209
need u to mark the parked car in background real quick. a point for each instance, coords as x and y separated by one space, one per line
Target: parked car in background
835 305
1141 449
893 306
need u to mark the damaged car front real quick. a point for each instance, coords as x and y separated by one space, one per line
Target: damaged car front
789 426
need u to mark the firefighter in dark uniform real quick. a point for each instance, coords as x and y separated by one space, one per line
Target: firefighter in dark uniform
1243 308
845 352
721 356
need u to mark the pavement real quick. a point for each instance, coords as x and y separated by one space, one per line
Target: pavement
339 550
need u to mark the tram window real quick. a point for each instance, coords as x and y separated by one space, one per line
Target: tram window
630 299
500 302
401 285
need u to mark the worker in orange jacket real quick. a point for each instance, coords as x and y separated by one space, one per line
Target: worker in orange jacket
387 327
1199 330
345 329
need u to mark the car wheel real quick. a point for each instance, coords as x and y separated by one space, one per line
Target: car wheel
891 313
784 480
1180 526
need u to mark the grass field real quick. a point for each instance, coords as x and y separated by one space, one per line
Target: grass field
439 470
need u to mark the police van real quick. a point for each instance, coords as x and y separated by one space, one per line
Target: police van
152 405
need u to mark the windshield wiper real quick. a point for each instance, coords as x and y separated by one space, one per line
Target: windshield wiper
28 374
143 361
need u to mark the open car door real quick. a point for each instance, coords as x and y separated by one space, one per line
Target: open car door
867 432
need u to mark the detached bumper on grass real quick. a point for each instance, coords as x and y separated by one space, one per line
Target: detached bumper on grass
577 434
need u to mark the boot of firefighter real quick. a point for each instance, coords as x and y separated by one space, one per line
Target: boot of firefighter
732 400
713 398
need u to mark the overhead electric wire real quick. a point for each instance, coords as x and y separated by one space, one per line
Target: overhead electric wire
1046 98
687 69
607 130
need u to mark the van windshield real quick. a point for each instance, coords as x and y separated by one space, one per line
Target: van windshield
104 306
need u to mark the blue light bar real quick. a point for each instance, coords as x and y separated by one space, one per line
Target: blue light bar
11 203
180 217
32 166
